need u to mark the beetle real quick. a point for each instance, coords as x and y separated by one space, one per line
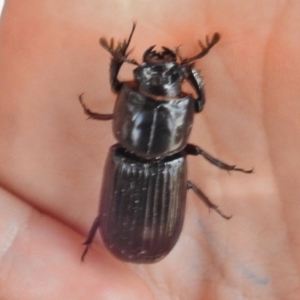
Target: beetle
142 203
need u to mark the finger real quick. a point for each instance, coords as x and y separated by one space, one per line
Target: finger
40 259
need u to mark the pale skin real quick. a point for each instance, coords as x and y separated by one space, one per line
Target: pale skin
52 158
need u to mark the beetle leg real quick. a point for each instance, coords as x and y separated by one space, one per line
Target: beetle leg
94 115
90 237
119 52
204 48
119 56
195 150
114 69
196 81
205 199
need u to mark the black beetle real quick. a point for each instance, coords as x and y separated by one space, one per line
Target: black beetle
142 204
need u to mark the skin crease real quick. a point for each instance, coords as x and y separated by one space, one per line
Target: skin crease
51 157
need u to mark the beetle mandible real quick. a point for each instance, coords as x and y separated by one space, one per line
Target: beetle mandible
142 203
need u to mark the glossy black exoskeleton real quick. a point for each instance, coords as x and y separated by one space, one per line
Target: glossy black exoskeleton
142 203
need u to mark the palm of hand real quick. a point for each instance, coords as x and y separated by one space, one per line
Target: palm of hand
52 158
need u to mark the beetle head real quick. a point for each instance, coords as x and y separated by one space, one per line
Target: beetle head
152 56
160 78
